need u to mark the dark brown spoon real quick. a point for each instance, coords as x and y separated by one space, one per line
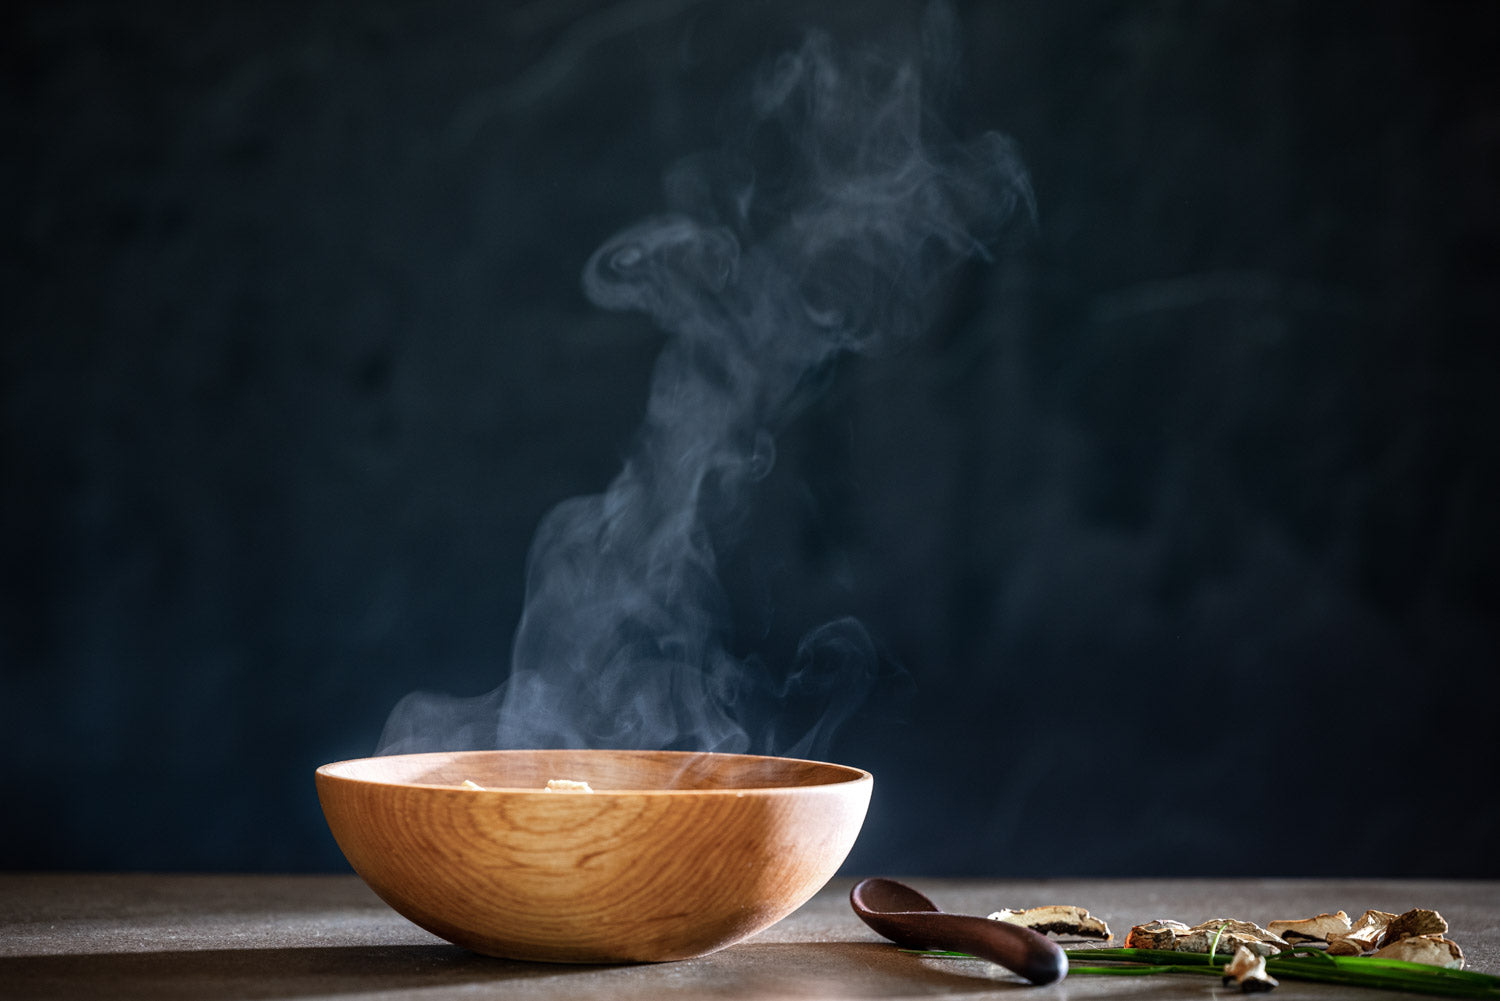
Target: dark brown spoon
909 919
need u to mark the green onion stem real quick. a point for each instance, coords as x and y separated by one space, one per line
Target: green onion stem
1214 947
1293 964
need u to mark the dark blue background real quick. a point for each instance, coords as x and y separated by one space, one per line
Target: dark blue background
1181 519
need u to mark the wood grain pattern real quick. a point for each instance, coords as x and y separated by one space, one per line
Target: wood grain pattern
675 854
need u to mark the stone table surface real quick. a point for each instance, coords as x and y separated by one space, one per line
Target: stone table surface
215 936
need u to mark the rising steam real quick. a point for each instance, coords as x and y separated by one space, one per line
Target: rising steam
831 226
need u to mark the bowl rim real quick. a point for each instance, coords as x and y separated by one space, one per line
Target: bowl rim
851 775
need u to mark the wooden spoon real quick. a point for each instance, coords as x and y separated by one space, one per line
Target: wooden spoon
909 919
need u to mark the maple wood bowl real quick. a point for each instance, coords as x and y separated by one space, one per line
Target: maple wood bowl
675 854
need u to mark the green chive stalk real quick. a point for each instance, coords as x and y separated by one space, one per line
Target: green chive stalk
1291 964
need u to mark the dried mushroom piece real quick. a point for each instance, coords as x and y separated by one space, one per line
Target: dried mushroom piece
1234 935
1224 935
1417 921
1415 935
1248 971
1434 950
1363 935
1378 929
1060 919
1158 934
1315 929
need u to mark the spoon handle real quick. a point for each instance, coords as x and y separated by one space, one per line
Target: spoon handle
1020 950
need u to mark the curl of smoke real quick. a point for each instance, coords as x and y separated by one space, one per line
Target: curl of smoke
830 226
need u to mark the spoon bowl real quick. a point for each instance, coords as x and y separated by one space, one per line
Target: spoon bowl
905 916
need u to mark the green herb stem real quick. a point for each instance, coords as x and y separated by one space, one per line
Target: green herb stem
1297 964
1306 964
1134 970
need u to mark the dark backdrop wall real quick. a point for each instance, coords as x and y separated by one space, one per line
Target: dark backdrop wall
1180 519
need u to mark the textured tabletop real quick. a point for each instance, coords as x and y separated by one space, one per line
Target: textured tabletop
154 936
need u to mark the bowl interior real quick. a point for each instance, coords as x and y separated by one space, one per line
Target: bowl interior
603 770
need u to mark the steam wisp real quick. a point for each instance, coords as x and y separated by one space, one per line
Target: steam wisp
831 225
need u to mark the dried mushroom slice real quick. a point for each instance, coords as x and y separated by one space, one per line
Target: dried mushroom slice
1224 935
1417 921
1315 929
1434 950
1248 971
1156 934
1060 919
1247 929
1364 934
1229 936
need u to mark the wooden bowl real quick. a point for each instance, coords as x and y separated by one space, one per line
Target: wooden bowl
674 854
